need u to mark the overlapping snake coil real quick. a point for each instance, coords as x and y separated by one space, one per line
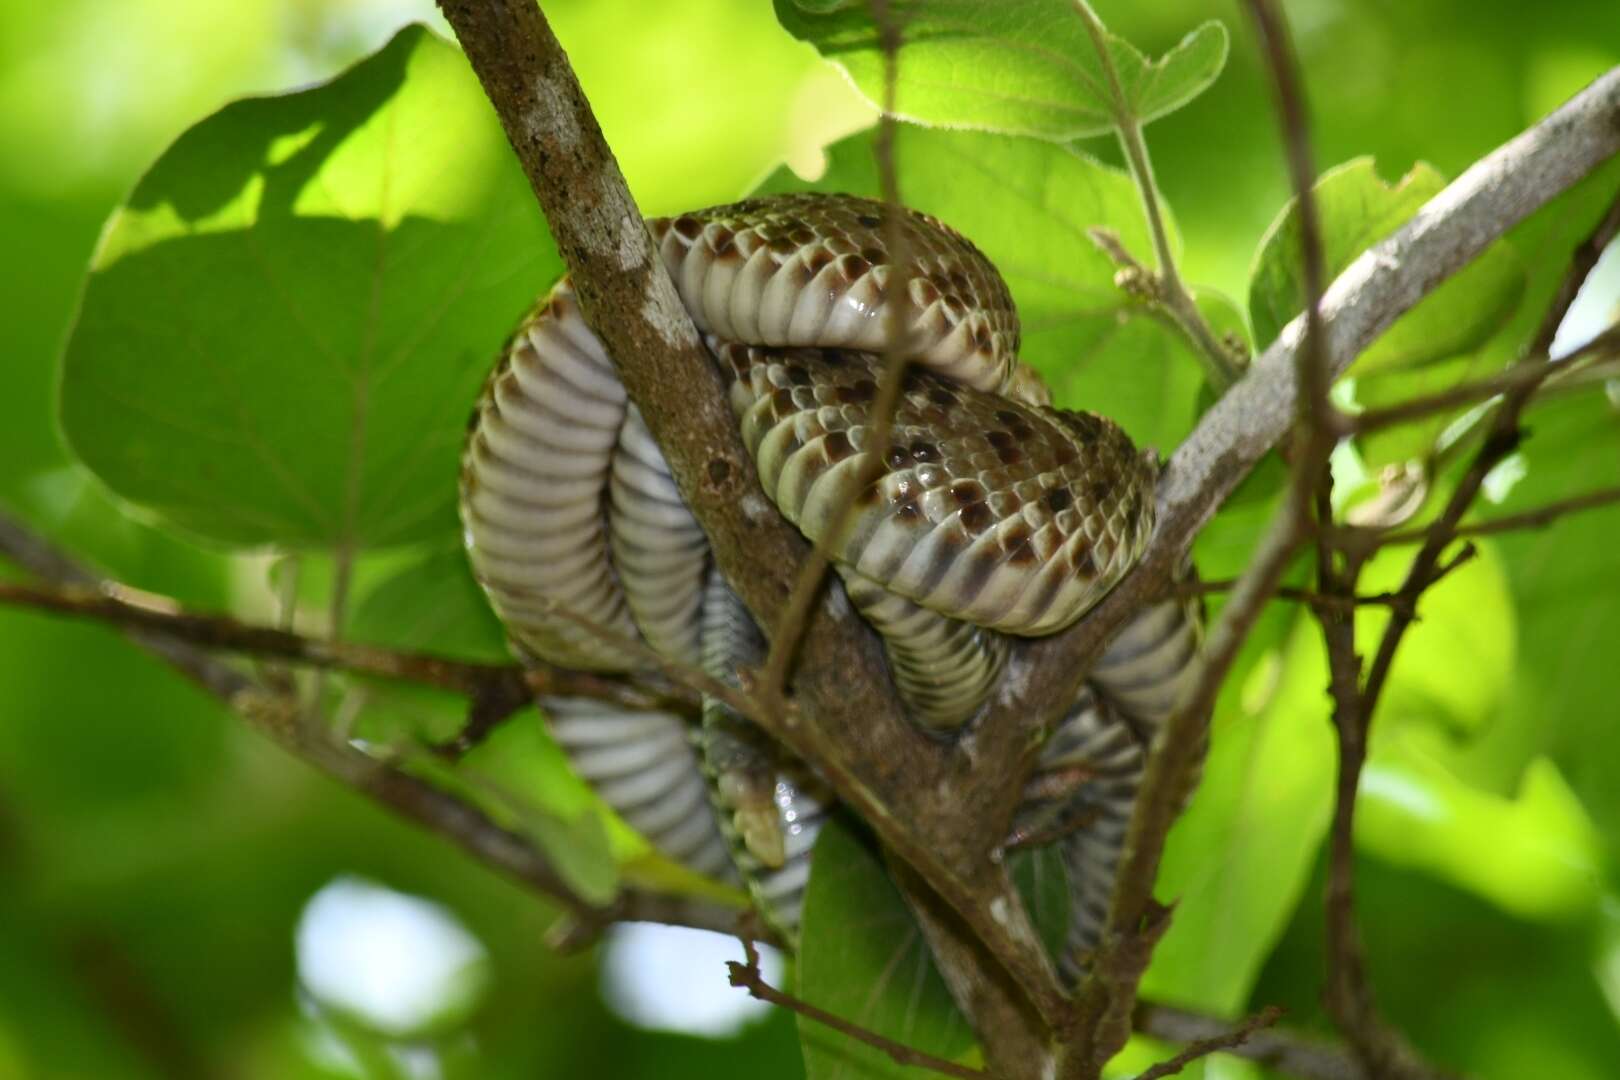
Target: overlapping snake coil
992 514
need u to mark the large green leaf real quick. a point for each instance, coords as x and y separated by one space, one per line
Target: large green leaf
1027 67
1357 209
1564 580
1238 860
1027 205
864 959
285 326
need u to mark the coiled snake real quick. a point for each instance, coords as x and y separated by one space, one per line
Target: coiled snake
992 514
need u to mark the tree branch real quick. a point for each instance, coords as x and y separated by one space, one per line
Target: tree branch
222 633
1386 281
278 716
748 977
1286 1052
1201 1048
850 725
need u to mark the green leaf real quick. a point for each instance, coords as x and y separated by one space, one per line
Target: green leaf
1357 209
1535 854
285 326
864 959
1027 204
433 605
1026 67
1043 883
1239 858
1564 579
1456 661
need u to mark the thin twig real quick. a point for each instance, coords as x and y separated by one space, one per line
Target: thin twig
1230 1040
1540 517
1350 998
1286 1052
896 358
222 633
1135 920
1169 290
747 976
1585 361
1582 261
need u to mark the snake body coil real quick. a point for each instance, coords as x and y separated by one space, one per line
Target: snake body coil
991 513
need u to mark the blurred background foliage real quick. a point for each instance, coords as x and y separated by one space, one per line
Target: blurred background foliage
177 899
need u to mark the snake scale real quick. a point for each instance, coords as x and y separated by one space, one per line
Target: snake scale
991 514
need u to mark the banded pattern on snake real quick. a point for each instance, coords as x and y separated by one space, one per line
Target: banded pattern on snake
991 514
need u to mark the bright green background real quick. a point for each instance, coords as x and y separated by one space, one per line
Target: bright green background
154 856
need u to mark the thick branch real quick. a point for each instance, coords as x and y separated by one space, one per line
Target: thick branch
1450 231
853 728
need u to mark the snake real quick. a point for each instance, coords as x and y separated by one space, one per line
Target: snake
987 514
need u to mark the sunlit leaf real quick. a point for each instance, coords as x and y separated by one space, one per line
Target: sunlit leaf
1027 67
1456 661
1536 855
1027 205
864 959
285 326
1357 209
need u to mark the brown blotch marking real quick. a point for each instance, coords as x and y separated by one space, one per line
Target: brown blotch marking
1059 498
941 396
1084 426
1008 417
871 221
1009 455
782 403
1016 543
865 391
719 471
802 235
782 244
874 255
998 438
967 492
1081 561
818 259
1065 454
925 451
960 281
724 245
899 458
1102 489
853 267
908 512
869 495
976 517
982 338
687 226
797 375
837 446
924 292
912 382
